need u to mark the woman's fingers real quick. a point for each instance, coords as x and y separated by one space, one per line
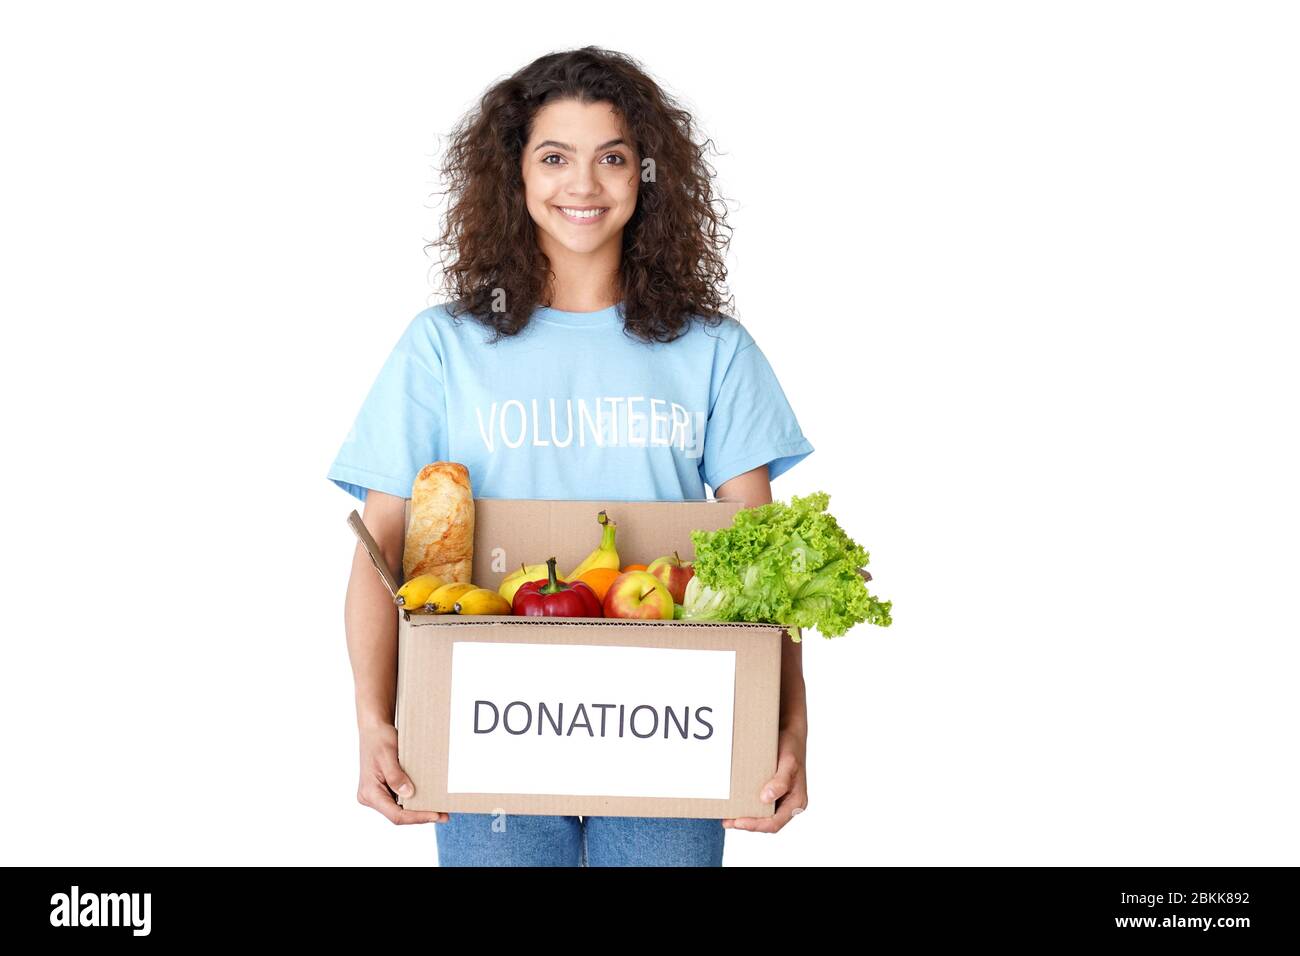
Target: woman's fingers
394 775
782 781
787 788
794 803
382 776
376 796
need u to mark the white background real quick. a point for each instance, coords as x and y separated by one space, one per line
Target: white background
1027 272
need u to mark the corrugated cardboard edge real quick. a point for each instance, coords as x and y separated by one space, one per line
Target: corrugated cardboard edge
371 548
425 650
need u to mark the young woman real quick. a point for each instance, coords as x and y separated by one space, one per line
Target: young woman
585 354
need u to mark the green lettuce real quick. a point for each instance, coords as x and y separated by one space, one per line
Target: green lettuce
783 564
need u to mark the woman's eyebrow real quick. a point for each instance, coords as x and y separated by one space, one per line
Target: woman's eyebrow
572 149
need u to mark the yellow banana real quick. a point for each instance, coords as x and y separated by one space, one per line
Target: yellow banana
482 601
605 555
414 593
443 600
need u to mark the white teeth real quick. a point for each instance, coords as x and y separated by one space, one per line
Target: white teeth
582 213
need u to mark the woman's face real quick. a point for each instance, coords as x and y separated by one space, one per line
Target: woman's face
580 176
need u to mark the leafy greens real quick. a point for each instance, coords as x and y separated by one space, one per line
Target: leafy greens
783 564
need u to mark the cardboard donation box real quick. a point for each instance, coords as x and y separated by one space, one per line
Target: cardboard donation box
592 716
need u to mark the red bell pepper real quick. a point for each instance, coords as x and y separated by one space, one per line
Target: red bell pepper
555 598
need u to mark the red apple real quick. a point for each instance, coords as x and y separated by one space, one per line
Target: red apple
639 594
674 573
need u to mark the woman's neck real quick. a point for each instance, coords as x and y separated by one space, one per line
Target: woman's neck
583 282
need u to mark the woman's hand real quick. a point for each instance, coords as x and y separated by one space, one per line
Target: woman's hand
382 776
789 786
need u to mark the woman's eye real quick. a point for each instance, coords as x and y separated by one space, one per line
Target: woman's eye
614 156
549 156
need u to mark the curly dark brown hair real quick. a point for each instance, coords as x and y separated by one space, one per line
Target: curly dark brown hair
673 245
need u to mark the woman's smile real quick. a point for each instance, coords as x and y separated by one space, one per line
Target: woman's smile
583 215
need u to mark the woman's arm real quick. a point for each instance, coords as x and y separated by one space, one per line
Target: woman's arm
368 614
789 785
370 621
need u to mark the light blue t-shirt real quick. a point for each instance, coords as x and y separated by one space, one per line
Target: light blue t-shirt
571 408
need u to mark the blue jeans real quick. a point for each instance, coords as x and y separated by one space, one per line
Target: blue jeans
521 839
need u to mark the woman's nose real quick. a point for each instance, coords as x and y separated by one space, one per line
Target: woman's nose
583 181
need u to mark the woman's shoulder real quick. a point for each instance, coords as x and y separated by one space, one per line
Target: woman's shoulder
446 318
725 329
459 319
443 313
422 328
431 330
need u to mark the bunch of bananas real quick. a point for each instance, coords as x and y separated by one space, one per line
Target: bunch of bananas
429 594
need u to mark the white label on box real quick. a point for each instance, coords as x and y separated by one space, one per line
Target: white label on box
591 720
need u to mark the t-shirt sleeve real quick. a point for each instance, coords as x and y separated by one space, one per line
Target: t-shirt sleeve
750 422
402 424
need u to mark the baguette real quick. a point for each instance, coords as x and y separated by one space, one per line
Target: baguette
440 530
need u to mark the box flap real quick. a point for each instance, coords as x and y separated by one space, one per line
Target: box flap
372 549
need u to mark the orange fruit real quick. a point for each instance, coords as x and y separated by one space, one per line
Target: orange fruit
635 567
599 579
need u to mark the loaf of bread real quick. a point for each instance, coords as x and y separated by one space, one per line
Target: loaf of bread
440 530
